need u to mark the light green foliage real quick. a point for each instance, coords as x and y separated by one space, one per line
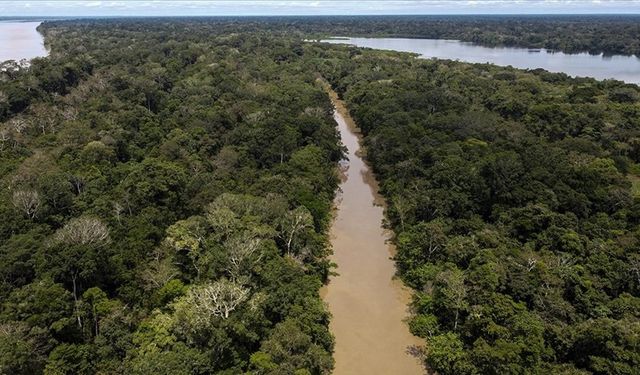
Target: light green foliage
424 325
186 235
449 294
147 172
292 351
515 221
294 227
152 169
445 354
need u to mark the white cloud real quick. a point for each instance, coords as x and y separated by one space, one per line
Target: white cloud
315 7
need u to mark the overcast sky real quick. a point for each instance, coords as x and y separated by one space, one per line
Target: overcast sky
317 7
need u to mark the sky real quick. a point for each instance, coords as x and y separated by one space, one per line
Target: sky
314 7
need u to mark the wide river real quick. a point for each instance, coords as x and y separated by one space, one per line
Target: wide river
20 40
368 304
623 68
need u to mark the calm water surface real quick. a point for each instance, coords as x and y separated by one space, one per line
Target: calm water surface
20 40
368 305
624 68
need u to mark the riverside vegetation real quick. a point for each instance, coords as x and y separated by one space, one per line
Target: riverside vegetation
608 34
167 187
514 199
165 194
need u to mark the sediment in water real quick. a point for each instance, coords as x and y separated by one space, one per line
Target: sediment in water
368 304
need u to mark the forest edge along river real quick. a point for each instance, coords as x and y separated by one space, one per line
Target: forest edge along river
368 304
623 68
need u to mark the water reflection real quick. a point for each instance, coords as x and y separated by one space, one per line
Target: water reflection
599 66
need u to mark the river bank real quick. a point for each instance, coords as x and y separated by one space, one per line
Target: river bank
623 68
368 304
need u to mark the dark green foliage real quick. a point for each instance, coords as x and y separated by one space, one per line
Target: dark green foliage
144 163
149 164
608 34
514 214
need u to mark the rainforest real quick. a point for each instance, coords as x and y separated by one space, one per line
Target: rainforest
169 185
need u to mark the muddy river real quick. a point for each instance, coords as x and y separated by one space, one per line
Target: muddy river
369 306
20 40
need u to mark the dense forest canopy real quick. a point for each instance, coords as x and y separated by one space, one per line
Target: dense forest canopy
512 197
608 34
165 193
166 190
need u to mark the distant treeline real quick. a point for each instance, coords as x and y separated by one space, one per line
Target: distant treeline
614 34
166 188
514 198
608 34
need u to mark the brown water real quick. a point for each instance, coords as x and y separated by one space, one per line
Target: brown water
368 305
20 40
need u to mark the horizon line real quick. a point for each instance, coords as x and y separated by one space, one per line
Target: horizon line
320 15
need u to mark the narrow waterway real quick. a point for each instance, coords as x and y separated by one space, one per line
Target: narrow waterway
368 305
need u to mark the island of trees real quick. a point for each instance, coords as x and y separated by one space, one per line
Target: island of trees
166 189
